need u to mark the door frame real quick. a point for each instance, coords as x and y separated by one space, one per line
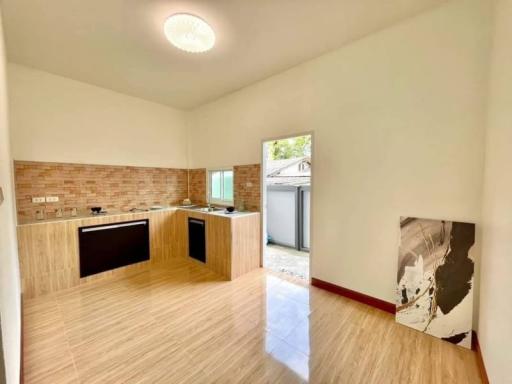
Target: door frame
263 193
300 212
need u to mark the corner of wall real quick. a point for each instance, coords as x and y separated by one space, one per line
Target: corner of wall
10 289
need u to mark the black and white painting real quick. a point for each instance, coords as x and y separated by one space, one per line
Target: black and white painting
435 278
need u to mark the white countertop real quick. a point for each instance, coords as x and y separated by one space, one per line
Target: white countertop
82 216
222 213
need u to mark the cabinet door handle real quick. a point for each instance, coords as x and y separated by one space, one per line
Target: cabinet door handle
113 226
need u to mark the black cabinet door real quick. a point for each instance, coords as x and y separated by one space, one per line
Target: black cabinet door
109 246
197 239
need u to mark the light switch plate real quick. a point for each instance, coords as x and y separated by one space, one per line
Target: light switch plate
52 199
38 200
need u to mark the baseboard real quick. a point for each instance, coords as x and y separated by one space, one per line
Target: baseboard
354 295
479 358
22 374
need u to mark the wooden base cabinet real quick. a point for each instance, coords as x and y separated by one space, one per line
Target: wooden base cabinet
233 243
49 256
49 251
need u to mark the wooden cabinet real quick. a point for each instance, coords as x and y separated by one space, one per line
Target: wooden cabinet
245 244
218 245
233 243
49 257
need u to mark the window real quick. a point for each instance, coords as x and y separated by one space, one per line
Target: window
220 186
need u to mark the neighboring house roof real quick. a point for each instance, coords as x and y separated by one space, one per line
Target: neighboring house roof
275 167
289 171
291 181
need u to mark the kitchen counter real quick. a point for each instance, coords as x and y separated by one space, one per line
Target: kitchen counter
233 241
221 213
50 258
82 216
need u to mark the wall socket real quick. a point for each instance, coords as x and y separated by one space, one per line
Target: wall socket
38 199
52 199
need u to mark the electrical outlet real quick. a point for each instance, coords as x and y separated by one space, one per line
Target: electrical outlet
38 199
52 199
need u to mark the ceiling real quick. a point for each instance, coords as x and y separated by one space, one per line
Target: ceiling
120 45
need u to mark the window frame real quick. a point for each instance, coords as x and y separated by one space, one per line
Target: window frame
209 198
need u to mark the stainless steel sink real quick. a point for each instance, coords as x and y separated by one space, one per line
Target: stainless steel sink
207 209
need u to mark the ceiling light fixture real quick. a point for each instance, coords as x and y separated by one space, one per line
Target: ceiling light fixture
189 33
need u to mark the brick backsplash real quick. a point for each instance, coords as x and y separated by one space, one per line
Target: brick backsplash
247 186
197 185
84 186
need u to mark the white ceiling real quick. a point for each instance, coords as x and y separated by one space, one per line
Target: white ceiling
120 45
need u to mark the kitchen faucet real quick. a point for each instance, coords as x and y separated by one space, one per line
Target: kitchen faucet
209 203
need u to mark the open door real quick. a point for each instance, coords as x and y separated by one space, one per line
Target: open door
287 167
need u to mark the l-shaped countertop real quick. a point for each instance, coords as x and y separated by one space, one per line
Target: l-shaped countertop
118 213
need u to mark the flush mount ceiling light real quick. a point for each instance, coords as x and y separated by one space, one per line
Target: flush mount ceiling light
189 33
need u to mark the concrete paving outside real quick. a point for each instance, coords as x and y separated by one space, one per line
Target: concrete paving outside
287 260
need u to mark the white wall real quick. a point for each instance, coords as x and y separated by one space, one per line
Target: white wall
9 269
398 121
62 120
495 328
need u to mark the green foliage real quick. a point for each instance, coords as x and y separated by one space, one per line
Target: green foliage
290 148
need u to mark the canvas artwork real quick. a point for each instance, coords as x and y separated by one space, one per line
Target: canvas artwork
435 278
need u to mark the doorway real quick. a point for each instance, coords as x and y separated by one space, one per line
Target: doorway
286 191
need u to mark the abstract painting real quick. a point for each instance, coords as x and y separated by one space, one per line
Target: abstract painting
435 278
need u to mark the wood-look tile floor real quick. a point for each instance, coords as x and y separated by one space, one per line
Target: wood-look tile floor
183 324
